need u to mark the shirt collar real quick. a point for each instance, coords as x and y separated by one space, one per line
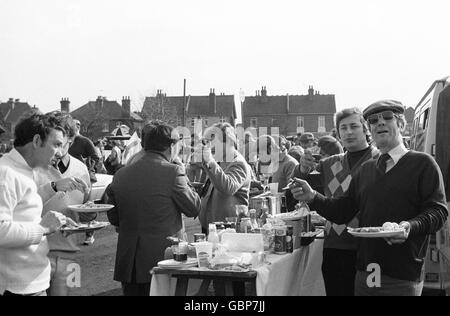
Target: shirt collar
18 159
398 152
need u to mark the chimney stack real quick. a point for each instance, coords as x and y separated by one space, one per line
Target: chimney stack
310 92
264 92
212 101
126 105
11 103
99 103
65 105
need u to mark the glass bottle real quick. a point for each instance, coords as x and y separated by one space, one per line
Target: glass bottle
253 221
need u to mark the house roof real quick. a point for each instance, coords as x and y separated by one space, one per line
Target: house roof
110 109
196 105
12 116
298 104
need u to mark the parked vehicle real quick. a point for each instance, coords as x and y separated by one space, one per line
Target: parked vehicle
431 134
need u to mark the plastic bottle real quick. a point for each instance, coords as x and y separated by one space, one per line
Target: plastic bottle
213 237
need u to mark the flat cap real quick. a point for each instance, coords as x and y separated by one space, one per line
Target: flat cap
384 105
306 137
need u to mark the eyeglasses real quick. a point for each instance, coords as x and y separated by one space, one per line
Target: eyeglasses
386 115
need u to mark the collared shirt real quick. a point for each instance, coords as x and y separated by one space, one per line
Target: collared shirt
24 266
396 154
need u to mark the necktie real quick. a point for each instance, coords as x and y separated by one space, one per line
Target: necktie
382 161
205 188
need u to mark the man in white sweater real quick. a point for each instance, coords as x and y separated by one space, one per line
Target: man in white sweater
65 182
24 266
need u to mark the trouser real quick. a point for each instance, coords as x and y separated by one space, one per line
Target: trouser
338 269
6 294
389 286
59 276
136 289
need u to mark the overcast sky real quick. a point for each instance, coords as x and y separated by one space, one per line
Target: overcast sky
358 50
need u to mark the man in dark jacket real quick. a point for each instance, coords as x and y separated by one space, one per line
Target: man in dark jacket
401 186
149 197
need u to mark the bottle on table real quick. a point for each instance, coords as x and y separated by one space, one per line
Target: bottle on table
213 236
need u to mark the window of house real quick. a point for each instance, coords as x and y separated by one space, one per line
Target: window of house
192 123
321 128
300 121
105 128
253 122
223 120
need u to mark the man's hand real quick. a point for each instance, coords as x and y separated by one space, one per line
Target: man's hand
52 221
302 191
397 240
307 162
207 155
71 184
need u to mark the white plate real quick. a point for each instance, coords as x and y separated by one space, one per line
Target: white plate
384 234
173 264
81 208
83 228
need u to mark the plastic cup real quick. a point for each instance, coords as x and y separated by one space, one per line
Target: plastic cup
204 253
273 188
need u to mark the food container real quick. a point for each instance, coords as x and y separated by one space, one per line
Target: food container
204 253
280 240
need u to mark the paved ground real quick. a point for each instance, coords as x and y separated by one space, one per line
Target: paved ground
97 262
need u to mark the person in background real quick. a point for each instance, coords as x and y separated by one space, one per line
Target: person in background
401 186
336 169
149 197
99 149
65 182
84 150
329 146
306 141
229 175
24 266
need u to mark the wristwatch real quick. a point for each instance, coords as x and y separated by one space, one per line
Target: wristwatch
53 185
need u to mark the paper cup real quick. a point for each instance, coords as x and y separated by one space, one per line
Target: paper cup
204 253
273 188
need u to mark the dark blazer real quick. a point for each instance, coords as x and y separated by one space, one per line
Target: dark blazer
149 197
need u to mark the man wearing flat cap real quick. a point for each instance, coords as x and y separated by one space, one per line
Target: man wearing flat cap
306 140
400 186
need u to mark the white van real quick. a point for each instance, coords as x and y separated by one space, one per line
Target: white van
431 134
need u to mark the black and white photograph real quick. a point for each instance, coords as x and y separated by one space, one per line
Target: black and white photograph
224 152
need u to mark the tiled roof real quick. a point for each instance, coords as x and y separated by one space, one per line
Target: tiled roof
110 109
196 105
304 104
12 116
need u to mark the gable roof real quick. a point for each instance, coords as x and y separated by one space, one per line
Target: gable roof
298 104
110 110
196 105
13 115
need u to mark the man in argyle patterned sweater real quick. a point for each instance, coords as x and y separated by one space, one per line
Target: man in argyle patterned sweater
339 254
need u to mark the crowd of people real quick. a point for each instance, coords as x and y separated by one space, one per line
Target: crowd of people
363 177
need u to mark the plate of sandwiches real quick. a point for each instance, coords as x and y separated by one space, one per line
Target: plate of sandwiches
84 228
388 230
90 207
173 264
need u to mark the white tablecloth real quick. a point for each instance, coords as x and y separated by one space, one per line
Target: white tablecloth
296 274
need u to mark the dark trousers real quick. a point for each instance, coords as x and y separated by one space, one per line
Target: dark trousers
136 289
339 271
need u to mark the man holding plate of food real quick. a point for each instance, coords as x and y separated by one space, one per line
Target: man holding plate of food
400 186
